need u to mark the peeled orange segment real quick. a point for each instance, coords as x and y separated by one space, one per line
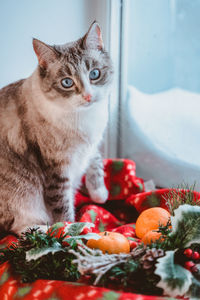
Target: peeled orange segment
151 219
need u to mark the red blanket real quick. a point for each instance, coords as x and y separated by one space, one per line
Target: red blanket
127 197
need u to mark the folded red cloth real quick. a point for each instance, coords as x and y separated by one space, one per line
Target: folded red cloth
120 180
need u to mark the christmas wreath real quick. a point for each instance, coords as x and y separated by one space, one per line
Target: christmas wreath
166 265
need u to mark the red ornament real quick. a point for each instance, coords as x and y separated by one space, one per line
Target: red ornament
188 252
189 265
195 255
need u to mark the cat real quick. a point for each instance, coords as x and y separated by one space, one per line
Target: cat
51 125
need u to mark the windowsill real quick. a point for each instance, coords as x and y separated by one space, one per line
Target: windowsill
162 132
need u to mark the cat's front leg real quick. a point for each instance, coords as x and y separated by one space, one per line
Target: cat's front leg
95 180
59 198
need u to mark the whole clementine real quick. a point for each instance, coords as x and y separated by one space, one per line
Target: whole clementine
150 237
151 219
110 242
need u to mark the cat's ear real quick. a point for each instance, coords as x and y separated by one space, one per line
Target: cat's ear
45 53
93 38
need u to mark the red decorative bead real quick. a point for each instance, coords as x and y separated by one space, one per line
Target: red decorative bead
189 265
133 244
188 252
195 255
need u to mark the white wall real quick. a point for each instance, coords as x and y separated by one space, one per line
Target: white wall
54 22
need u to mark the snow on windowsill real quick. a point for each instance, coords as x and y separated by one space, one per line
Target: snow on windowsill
163 134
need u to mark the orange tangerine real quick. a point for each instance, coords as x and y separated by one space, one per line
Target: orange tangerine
150 237
151 219
110 242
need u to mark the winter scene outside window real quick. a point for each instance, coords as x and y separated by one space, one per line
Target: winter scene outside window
160 124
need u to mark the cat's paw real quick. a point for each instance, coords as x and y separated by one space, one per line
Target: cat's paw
99 195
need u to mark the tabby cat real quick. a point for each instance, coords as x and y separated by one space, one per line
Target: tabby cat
51 125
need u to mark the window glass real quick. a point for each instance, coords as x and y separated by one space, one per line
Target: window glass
162 106
164 45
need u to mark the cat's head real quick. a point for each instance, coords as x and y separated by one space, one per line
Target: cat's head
75 74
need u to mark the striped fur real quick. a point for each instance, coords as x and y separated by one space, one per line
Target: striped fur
49 135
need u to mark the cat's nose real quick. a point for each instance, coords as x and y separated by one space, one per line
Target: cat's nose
87 97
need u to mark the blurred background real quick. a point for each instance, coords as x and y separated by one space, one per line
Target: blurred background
154 106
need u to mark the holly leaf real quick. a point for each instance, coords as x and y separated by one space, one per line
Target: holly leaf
194 290
88 236
175 280
186 225
58 225
75 229
36 253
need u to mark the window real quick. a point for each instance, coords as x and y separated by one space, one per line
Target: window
160 103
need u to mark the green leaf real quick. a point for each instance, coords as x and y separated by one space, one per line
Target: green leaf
186 225
36 253
175 280
93 215
87 236
57 225
75 229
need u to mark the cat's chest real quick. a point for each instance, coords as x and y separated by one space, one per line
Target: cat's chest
92 123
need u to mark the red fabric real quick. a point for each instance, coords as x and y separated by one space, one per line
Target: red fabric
146 200
123 185
12 288
120 180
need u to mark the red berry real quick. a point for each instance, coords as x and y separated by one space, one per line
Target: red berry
133 244
195 255
188 252
189 265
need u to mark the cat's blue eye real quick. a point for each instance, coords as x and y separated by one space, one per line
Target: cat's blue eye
94 74
67 82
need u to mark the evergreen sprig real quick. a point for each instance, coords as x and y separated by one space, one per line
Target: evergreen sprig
182 194
56 265
147 269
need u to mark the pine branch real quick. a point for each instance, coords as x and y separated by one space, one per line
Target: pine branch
55 264
183 194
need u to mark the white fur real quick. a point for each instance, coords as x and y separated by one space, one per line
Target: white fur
89 122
